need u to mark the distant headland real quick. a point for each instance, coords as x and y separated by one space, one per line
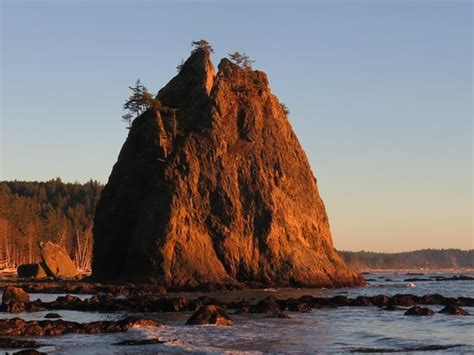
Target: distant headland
423 260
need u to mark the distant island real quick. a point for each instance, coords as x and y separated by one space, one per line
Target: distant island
426 259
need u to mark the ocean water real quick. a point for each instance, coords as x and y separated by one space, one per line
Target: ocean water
340 330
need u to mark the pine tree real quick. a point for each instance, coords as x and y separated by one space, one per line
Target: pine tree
242 60
138 102
285 109
202 44
180 65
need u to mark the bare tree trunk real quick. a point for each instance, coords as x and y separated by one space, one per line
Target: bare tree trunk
78 249
87 254
5 252
83 252
30 247
87 251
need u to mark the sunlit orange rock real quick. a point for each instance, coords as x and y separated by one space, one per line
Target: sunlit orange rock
215 187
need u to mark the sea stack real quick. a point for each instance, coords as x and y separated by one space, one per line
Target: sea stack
213 186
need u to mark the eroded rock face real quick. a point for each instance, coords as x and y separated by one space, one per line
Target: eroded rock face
57 262
215 187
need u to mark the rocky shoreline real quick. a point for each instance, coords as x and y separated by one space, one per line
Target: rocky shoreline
152 299
147 301
86 286
21 327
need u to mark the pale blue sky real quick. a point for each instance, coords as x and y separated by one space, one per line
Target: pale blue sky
380 94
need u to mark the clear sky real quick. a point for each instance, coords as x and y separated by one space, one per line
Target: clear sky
380 94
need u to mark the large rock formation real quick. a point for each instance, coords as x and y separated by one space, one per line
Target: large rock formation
215 187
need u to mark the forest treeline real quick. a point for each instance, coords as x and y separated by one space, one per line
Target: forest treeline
426 259
32 212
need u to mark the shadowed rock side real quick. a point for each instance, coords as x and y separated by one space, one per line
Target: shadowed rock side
215 187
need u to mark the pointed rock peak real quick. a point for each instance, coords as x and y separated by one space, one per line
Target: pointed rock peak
199 60
195 77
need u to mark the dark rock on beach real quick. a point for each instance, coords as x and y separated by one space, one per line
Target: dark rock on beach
269 305
419 311
20 327
362 301
433 299
210 315
133 342
337 301
18 307
12 343
29 352
13 307
84 287
381 300
15 300
36 271
465 301
300 307
405 300
14 294
56 263
454 310
440 299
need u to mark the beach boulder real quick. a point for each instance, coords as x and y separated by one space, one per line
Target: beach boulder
14 294
36 270
419 311
210 315
57 262
268 305
454 310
